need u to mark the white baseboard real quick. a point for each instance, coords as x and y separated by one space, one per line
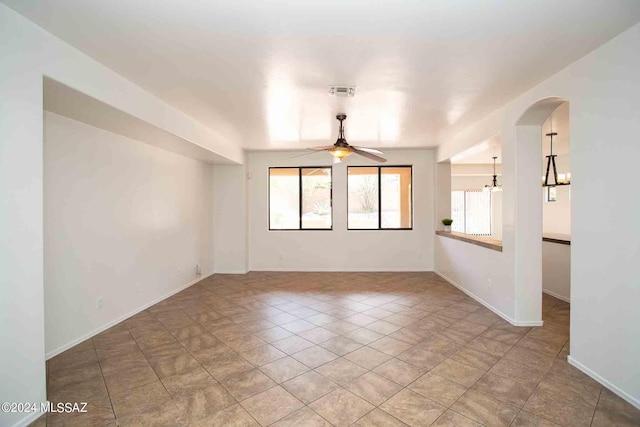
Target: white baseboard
232 272
28 419
560 297
95 332
528 323
623 395
490 307
342 270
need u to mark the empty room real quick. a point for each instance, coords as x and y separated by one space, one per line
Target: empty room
319 213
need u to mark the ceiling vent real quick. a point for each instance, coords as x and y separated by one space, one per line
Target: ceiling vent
342 90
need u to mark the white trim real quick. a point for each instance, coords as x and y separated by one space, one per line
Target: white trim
232 272
560 297
344 270
489 306
28 419
633 401
95 332
528 323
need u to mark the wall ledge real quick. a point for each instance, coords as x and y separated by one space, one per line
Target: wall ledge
485 242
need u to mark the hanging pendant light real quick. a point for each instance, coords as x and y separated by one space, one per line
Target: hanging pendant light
558 179
494 184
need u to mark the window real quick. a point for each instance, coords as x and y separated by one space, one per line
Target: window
300 198
471 212
379 198
551 194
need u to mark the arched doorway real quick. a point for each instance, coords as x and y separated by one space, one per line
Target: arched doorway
529 223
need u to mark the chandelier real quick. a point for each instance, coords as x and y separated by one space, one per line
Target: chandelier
558 179
494 184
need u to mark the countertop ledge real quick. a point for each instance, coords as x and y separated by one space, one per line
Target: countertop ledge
485 242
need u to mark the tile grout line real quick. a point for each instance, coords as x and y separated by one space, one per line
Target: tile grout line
113 411
595 409
250 297
210 374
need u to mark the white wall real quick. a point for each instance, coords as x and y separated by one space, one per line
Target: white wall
27 53
485 281
603 89
556 258
123 221
442 193
556 270
340 249
556 216
470 182
528 210
230 219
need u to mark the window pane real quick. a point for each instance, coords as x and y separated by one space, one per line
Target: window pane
396 197
478 209
284 199
363 198
316 198
457 211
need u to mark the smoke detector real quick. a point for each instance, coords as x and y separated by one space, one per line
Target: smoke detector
342 91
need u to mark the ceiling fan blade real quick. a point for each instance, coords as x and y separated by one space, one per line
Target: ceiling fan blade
369 155
368 150
303 154
326 147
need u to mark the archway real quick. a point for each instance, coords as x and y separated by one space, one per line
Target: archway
528 228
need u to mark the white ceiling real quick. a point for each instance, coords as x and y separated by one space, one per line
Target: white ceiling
557 122
481 153
258 71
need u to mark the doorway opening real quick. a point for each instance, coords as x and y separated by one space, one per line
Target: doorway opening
543 216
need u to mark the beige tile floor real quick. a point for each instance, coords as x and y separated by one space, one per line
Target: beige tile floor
321 349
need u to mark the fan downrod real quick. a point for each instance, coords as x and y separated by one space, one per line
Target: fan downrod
341 142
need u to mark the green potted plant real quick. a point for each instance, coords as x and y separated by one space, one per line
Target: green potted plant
447 224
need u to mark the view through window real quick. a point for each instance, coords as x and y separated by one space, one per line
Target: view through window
471 212
300 198
379 197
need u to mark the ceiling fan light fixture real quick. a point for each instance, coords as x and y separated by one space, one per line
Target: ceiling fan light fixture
341 152
341 149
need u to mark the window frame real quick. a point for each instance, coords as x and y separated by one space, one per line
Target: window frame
299 198
380 228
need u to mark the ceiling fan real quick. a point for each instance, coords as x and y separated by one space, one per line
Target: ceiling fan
342 149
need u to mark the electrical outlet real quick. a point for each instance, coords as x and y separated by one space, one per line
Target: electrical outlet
198 271
138 288
489 283
99 302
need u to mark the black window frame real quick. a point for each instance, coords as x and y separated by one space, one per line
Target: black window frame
380 228
299 198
